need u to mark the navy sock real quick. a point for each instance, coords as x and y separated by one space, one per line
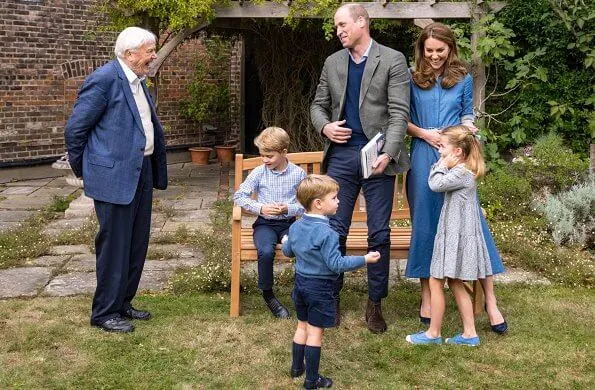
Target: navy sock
268 295
312 362
297 354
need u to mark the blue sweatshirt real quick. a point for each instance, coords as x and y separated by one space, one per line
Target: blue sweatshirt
316 248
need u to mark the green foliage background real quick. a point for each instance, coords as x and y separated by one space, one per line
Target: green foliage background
541 62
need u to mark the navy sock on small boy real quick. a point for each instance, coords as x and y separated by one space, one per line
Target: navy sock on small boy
297 353
312 355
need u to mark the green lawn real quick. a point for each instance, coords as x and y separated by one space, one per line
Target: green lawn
192 344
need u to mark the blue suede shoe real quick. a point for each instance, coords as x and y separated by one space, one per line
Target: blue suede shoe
420 338
460 340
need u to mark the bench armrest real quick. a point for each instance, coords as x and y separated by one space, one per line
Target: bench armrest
236 214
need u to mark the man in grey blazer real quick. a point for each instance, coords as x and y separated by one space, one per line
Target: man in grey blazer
363 90
116 144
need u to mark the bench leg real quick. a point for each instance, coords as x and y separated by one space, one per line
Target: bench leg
478 298
234 309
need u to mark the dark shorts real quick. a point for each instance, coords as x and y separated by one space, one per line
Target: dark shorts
314 301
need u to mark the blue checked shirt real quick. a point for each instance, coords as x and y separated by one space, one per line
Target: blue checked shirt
271 187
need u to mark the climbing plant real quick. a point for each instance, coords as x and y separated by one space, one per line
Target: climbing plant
541 66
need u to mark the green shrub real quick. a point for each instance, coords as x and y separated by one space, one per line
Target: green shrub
552 165
504 195
571 215
529 246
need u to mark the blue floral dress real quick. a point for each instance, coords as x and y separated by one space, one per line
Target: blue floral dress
435 108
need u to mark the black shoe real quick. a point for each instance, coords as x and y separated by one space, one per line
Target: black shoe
116 324
278 310
134 314
500 328
297 373
320 383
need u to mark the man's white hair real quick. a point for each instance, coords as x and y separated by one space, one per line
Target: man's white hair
132 38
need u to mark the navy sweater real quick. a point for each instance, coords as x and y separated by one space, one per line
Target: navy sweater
351 108
316 248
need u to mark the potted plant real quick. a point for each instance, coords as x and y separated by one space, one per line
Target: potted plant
200 155
208 91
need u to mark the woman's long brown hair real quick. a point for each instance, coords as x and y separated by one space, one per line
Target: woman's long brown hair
454 69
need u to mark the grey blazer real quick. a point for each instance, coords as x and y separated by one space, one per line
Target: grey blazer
383 100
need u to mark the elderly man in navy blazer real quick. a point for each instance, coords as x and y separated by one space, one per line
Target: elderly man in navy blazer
116 144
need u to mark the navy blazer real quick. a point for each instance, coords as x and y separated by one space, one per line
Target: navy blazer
105 138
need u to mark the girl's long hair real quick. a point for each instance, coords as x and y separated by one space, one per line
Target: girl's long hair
454 69
460 136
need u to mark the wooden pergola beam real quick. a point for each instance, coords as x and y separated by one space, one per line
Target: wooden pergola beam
376 10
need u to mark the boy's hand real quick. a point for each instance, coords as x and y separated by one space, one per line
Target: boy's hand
283 208
372 257
270 209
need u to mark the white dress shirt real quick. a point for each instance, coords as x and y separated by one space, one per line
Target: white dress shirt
143 106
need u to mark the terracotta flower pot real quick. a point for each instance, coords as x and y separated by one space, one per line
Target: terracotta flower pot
200 155
225 154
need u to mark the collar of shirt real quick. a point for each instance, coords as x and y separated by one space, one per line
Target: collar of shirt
133 79
316 216
365 56
276 172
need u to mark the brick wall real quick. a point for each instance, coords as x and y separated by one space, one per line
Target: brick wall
47 48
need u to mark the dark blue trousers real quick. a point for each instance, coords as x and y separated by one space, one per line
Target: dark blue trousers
344 165
121 246
267 233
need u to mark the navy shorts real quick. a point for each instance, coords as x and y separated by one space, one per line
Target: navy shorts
314 301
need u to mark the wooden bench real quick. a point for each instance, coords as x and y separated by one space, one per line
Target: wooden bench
243 248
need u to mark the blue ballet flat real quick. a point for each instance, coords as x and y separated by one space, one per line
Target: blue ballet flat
424 320
460 340
420 338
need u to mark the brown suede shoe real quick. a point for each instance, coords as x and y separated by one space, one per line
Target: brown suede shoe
374 318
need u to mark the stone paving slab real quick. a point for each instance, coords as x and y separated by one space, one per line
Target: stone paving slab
29 183
18 190
23 282
172 192
187 204
59 226
15 215
177 250
172 227
55 191
154 281
48 261
69 250
59 182
22 202
81 263
73 283
194 215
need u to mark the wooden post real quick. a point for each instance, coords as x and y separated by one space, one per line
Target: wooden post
479 73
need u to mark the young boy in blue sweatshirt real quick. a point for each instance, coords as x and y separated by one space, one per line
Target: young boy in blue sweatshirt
274 184
318 264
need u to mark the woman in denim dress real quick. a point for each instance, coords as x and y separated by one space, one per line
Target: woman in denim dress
441 96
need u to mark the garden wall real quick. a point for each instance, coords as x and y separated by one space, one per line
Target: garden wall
47 48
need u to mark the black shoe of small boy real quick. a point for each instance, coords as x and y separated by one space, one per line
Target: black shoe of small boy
296 373
278 310
320 383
